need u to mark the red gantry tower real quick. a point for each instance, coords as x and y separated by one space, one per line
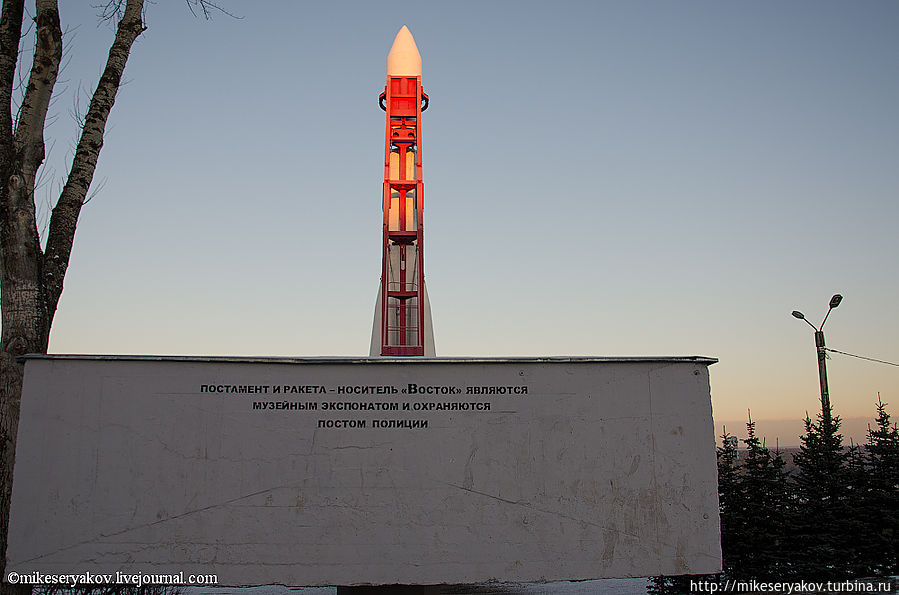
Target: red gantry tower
402 324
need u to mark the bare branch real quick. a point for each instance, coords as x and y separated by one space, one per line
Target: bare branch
65 214
49 186
207 7
77 113
29 136
112 10
21 80
10 34
95 190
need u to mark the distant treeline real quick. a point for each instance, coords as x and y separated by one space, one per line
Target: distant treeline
834 515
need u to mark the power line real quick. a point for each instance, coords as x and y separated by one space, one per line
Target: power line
870 359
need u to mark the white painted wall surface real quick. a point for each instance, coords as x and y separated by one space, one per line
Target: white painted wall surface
602 469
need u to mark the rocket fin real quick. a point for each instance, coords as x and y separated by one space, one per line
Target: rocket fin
429 350
375 350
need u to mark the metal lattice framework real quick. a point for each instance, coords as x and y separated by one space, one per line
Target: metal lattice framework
402 299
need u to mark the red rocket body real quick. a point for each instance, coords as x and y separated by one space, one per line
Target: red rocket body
402 313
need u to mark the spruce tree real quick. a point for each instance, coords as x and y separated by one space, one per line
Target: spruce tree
820 527
730 505
762 484
882 494
861 515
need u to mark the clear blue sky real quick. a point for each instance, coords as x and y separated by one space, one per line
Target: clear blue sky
601 178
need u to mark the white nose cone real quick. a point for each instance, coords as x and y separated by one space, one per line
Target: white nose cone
404 59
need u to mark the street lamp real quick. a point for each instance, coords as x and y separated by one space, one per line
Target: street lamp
819 346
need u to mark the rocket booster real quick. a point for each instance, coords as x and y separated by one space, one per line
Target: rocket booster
402 324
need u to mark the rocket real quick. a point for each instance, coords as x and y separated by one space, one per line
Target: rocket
402 324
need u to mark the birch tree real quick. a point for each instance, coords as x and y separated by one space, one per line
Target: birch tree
32 274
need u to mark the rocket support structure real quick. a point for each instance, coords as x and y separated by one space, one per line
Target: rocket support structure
402 325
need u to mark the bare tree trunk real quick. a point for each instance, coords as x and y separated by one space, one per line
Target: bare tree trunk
31 279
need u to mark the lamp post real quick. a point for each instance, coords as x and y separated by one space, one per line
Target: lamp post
820 348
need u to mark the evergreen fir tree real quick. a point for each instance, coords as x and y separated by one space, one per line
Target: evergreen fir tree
862 516
730 505
882 494
820 527
762 484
